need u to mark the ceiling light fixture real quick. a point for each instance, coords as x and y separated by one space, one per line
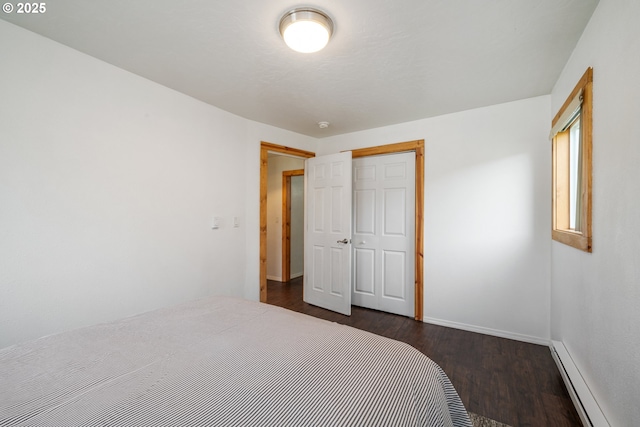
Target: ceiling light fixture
306 30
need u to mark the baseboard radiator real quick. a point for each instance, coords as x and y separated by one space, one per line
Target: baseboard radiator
586 405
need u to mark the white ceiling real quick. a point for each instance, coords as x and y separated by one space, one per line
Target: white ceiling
388 61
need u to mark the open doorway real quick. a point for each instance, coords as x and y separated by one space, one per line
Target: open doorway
280 171
267 149
292 224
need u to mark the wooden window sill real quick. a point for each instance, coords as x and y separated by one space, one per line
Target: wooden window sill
572 238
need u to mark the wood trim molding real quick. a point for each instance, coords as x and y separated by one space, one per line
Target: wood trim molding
388 149
286 221
264 155
560 231
419 297
568 237
587 159
265 149
281 149
418 147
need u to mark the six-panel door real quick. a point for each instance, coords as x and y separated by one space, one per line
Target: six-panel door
327 264
384 233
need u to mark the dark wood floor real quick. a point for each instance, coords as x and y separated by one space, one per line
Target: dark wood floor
510 381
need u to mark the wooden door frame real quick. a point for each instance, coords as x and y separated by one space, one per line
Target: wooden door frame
416 146
265 149
286 221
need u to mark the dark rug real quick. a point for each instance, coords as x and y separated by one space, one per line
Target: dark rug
480 421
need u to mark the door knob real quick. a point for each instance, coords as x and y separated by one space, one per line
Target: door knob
345 241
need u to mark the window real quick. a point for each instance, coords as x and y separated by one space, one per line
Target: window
572 152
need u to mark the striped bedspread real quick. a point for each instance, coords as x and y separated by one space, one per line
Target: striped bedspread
223 362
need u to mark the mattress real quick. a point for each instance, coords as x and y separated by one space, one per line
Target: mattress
223 362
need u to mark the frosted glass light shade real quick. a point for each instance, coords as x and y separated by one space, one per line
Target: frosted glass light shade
306 30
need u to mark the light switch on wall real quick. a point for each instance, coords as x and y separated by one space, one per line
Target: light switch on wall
236 222
215 222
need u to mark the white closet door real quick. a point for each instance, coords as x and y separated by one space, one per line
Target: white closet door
384 233
327 249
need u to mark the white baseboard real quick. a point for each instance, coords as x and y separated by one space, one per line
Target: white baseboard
586 405
296 275
487 331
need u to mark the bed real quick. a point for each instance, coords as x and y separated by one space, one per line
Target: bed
223 362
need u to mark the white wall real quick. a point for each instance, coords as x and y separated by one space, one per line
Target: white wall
487 222
108 183
596 297
276 165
